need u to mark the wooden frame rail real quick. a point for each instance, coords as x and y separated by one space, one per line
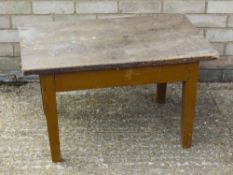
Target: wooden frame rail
186 73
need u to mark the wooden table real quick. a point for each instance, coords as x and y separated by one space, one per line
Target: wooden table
115 52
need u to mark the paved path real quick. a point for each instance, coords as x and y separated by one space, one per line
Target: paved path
120 131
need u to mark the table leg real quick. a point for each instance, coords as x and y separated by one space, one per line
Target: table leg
161 93
188 106
49 104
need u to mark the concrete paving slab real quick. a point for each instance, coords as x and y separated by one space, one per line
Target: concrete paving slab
117 131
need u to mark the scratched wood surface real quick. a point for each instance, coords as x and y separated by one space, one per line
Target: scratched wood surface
111 43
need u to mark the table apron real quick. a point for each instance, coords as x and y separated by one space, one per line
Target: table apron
123 77
187 73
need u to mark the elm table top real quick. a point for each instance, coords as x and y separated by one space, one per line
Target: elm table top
111 43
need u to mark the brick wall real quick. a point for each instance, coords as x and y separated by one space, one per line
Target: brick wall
214 18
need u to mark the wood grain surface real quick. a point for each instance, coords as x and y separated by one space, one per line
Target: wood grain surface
111 44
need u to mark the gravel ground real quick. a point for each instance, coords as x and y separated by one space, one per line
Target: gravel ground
117 131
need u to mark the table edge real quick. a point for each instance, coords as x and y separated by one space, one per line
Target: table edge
106 67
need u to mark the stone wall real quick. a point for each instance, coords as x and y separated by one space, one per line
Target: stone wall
214 18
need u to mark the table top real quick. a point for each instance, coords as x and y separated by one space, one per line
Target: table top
91 44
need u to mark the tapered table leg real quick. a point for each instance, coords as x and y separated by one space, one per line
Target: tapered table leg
161 93
50 110
188 106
